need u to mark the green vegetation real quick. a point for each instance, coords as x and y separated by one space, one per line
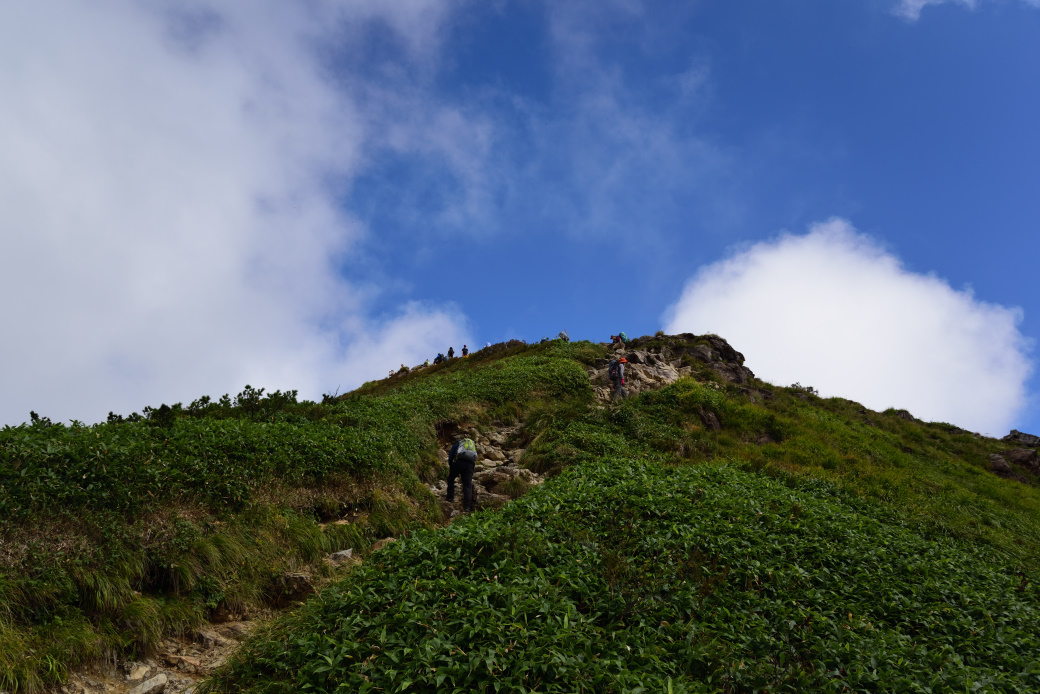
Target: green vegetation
114 535
621 575
734 537
934 476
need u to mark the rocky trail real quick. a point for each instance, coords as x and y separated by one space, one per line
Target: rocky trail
177 667
498 476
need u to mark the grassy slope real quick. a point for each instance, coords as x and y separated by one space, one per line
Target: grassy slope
844 548
241 490
116 534
622 574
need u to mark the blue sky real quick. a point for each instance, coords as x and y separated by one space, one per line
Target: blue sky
303 196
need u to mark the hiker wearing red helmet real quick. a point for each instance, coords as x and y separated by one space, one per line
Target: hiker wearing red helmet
616 373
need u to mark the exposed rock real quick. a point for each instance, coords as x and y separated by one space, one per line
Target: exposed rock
138 672
734 373
999 465
1025 457
905 415
1023 439
640 357
492 478
185 663
342 557
703 352
210 638
156 685
710 420
239 629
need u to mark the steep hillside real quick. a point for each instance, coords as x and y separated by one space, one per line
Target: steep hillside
709 533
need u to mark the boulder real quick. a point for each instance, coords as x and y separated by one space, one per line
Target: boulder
640 357
710 420
138 671
156 685
210 638
492 478
189 664
999 465
1025 457
341 557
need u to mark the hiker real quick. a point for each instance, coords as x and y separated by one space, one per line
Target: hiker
426 363
439 359
616 373
403 370
465 351
619 341
564 336
391 374
451 353
461 461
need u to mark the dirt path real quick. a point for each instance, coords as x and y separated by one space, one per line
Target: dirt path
179 665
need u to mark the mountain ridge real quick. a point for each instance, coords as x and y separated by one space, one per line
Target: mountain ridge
254 478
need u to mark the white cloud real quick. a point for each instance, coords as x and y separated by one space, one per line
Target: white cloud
911 9
834 310
169 223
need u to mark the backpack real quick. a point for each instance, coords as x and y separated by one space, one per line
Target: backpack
623 337
466 452
612 371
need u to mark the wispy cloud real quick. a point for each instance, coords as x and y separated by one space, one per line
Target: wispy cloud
835 310
615 150
170 177
911 9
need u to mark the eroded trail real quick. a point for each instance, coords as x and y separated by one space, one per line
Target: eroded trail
177 667
499 475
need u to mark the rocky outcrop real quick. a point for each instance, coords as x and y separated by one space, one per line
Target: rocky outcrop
655 362
1024 457
1022 439
999 465
1010 464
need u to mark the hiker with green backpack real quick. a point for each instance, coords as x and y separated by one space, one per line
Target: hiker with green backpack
461 461
619 341
616 374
